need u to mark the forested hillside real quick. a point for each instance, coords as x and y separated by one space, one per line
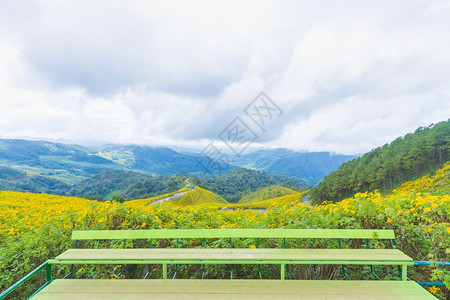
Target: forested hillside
126 185
132 185
16 180
237 183
386 167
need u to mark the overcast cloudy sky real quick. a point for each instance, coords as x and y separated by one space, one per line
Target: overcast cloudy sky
348 75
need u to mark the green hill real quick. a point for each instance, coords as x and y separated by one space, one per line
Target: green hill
384 168
196 197
265 193
237 183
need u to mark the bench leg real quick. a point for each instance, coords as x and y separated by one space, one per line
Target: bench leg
48 273
373 272
176 272
404 272
288 273
344 273
69 274
283 270
148 272
315 272
164 271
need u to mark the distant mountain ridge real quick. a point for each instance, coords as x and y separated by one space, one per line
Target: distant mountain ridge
47 167
75 162
312 166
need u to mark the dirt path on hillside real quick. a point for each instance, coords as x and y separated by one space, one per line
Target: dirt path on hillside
169 198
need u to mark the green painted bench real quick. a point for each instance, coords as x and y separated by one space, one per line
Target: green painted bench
259 256
228 289
247 289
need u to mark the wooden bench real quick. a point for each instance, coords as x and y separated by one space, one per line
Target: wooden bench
282 257
236 289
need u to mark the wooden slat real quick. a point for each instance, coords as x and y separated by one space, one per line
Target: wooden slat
231 289
234 233
236 254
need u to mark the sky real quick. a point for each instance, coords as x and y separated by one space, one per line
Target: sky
339 76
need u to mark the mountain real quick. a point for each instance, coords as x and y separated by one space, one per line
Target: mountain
157 160
62 162
312 166
74 162
265 193
67 169
386 167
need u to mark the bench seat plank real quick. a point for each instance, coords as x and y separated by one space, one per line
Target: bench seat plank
230 289
234 233
241 255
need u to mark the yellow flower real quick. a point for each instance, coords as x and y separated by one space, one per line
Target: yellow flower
427 209
448 230
389 220
434 289
253 247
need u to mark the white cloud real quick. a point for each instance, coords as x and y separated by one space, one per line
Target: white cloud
349 75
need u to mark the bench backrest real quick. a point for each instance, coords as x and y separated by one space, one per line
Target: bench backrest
234 233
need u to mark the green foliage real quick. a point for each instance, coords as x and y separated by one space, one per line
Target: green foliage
118 198
386 167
